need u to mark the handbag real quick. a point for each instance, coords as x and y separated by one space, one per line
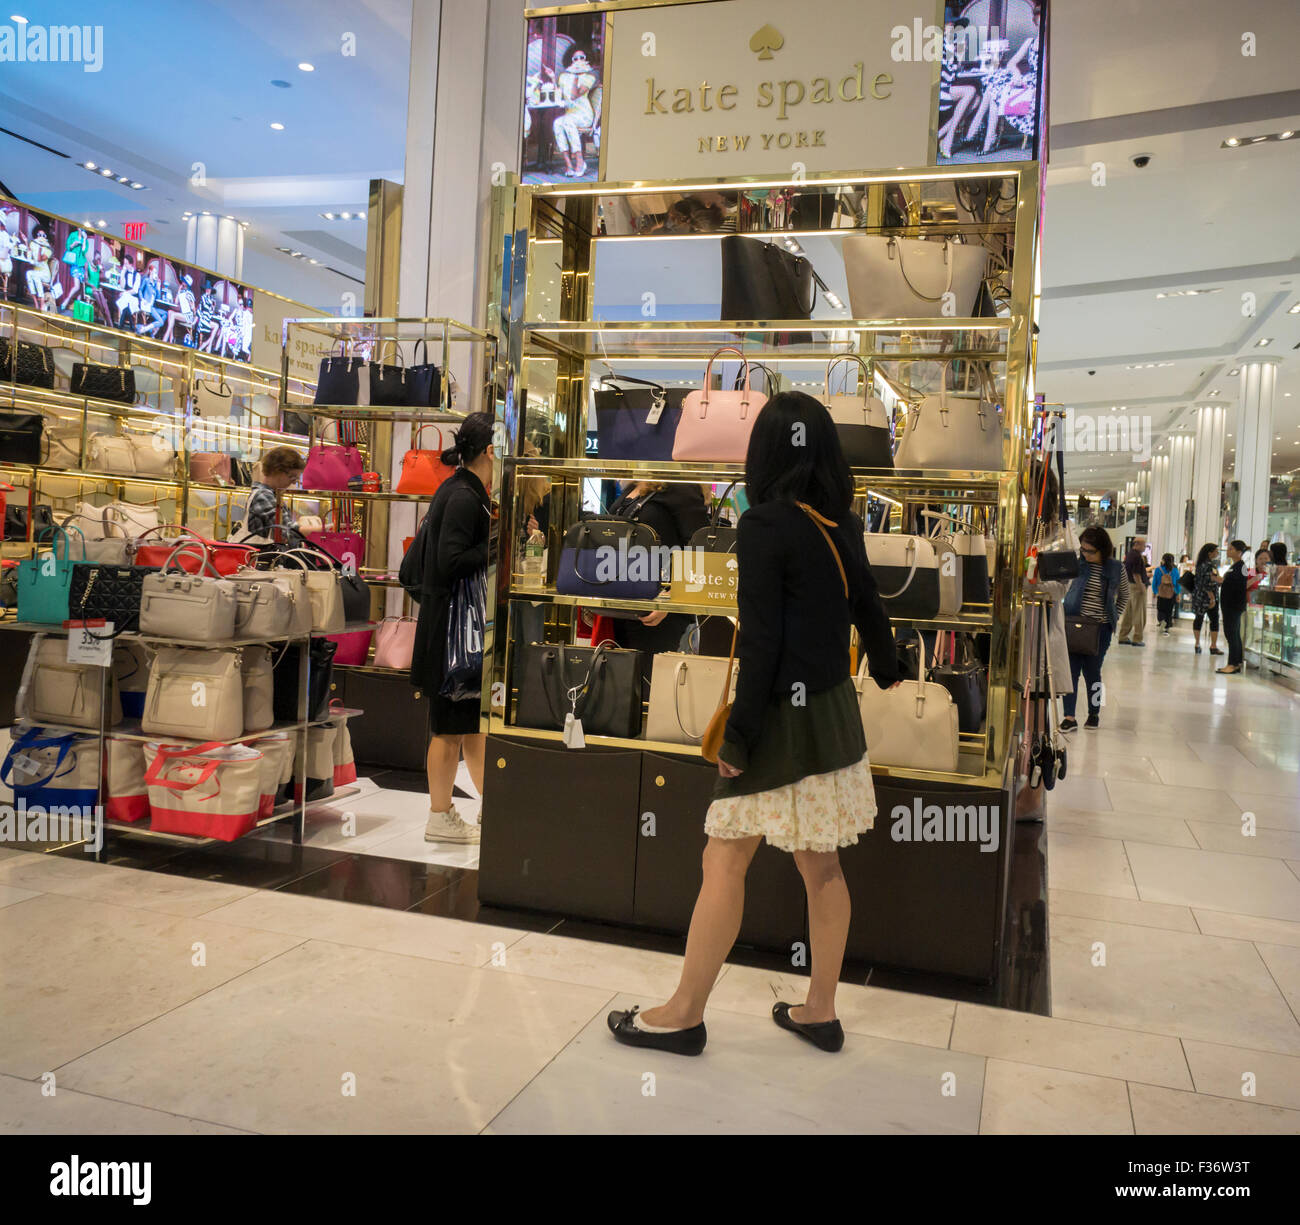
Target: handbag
715 425
762 281
179 676
463 656
423 380
345 762
107 593
423 471
610 558
331 465
328 587
277 768
395 643
57 692
950 572
320 676
63 446
911 278
347 549
353 647
291 582
210 468
205 790
98 544
972 553
861 423
601 686
212 400
1082 636
21 438
638 422
132 455
906 570
956 432
53 771
339 379
44 581
717 537
132 519
388 388
187 605
964 680
263 608
912 725
259 688
127 794
131 662
31 365
314 779
116 383
16 517
684 695
222 556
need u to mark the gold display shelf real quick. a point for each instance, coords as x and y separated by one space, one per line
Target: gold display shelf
362 412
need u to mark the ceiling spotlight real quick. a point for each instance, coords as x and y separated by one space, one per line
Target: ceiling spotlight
1264 343
90 165
123 178
328 216
361 216
346 216
18 20
1285 135
136 186
1234 370
101 223
306 67
1232 142
277 127
106 172
1295 310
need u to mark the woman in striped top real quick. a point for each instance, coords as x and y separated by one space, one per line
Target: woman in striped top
1098 596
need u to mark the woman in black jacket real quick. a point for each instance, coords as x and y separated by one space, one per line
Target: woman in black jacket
453 543
793 763
1232 600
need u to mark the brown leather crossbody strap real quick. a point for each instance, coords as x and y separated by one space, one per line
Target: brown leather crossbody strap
819 521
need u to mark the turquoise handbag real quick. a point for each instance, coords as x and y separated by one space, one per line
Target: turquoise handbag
44 582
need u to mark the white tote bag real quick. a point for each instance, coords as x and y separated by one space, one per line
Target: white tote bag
132 519
196 694
258 688
950 431
906 570
684 693
911 278
912 726
212 399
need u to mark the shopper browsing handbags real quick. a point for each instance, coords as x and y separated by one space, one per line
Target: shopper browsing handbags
1093 608
281 469
452 544
793 764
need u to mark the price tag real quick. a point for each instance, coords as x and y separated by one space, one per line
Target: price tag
573 735
657 405
85 647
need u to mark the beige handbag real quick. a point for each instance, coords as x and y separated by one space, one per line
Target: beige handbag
212 399
103 544
277 767
293 583
912 726
195 693
110 453
65 446
256 668
63 694
151 455
326 598
684 693
263 609
181 605
133 520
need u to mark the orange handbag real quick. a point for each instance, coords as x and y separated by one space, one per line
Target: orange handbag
423 471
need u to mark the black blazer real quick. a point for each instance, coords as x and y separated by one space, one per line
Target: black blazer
454 543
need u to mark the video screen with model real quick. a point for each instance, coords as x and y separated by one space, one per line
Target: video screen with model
62 268
563 93
990 81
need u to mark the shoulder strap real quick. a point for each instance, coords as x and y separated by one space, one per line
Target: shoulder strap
821 524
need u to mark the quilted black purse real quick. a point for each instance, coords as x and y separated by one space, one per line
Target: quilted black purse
29 364
115 383
108 593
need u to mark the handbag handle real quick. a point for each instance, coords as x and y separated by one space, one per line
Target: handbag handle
153 774
708 379
419 431
59 532
397 351
192 547
907 582
679 682
896 252
866 374
415 353
612 380
722 501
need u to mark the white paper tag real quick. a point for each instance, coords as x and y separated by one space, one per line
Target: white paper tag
573 737
656 409
86 648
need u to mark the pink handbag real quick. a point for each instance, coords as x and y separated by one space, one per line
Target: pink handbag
347 548
330 465
716 425
395 643
353 647
210 467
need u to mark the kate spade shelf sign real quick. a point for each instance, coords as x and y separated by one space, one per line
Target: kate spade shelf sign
700 577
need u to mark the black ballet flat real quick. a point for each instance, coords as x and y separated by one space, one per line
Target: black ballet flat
825 1035
677 1042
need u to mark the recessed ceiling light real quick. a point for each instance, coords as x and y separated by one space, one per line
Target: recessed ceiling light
1285 135
1232 142
90 165
277 127
137 186
18 20
106 172
1234 370
306 67
282 84
123 178
1264 343
328 216
1295 310
346 216
101 223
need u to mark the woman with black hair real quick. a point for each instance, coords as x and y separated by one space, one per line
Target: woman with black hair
453 543
1232 596
793 764
1205 596
1097 596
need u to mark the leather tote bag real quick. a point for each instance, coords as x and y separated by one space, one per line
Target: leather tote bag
185 605
29 364
423 471
212 399
116 383
684 693
259 688
204 790
61 693
211 468
605 683
179 678
948 431
388 383
108 593
339 380
16 521
100 543
912 726
222 557
131 519
291 582
906 570
21 438
972 549
717 537
861 421
638 421
320 676
950 573
964 679
612 559
63 446
395 643
763 281
263 609
45 580
328 588
910 278
353 647
348 549
423 380
1082 636
715 425
330 466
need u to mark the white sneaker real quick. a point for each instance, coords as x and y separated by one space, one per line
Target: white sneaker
449 827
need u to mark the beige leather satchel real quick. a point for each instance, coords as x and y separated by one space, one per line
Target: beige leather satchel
256 668
293 583
263 609
174 604
62 694
195 693
684 693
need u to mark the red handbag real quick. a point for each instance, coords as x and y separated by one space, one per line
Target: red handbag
423 472
222 556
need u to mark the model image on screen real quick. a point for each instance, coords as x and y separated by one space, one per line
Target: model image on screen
39 255
74 260
575 84
209 324
7 244
151 318
185 311
128 300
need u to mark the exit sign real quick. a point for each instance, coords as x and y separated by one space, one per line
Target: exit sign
134 231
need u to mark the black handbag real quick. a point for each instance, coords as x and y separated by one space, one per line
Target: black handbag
609 558
761 281
423 380
29 364
388 384
356 598
107 593
1082 637
16 521
22 438
718 537
339 380
964 680
605 683
1056 564
637 422
116 383
320 675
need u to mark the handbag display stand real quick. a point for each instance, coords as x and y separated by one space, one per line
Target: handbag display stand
594 803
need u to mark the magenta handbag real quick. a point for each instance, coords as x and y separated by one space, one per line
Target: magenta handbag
347 548
716 425
395 643
330 467
353 647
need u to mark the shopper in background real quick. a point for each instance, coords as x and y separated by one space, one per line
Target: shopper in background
452 543
1205 596
280 469
1133 623
1099 595
1255 577
1164 582
793 765
1232 596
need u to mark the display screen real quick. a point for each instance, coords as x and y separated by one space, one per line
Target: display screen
62 268
563 98
991 96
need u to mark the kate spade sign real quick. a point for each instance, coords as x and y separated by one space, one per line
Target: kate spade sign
761 86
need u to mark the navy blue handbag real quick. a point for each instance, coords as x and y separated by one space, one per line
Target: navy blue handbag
637 422
608 558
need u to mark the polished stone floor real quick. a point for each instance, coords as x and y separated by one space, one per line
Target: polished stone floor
253 994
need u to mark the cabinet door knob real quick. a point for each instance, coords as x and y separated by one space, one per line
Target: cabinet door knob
501 763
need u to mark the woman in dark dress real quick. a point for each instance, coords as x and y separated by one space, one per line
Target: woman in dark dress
793 764
453 543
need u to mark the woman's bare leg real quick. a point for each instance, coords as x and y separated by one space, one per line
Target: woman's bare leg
829 909
473 748
441 762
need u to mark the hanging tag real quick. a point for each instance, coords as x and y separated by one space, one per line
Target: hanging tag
573 737
657 406
86 648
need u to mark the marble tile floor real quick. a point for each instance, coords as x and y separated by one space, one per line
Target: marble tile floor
1174 933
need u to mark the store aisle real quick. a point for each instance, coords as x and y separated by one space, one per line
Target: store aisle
447 1026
